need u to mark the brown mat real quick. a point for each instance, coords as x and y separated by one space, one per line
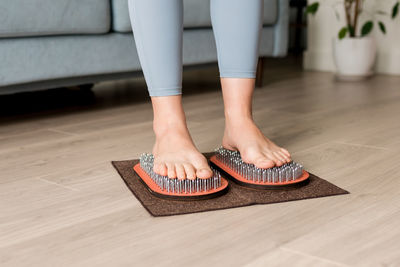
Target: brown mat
237 195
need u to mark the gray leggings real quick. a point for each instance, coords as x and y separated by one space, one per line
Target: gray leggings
158 28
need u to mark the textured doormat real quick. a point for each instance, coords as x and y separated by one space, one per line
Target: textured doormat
237 196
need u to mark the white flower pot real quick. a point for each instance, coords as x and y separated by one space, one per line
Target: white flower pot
354 57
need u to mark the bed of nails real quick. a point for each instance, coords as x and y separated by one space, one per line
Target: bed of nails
285 173
185 186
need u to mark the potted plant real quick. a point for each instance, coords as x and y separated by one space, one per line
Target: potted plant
354 48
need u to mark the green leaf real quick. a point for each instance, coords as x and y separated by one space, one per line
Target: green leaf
351 31
313 8
342 33
367 28
395 10
382 27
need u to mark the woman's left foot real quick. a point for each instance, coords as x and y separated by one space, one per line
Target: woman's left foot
243 135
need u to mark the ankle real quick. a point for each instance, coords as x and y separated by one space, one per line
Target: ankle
165 127
169 116
236 120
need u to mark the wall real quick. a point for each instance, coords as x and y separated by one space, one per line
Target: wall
324 26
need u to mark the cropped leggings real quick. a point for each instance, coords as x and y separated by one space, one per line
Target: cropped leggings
158 31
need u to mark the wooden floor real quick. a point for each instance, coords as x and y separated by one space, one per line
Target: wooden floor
62 203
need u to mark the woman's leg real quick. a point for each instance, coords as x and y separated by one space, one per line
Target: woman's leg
237 25
157 27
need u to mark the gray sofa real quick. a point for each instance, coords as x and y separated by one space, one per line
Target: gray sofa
54 43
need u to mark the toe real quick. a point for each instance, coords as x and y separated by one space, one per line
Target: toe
180 171
279 159
163 169
264 163
160 169
284 157
258 159
171 171
156 168
272 157
190 171
285 152
203 171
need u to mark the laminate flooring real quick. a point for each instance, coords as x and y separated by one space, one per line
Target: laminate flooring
63 204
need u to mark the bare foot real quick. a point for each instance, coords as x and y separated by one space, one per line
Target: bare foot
175 154
243 135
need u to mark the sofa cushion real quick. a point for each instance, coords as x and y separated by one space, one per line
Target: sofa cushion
196 14
53 17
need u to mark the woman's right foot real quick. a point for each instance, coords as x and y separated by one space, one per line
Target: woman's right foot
175 154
